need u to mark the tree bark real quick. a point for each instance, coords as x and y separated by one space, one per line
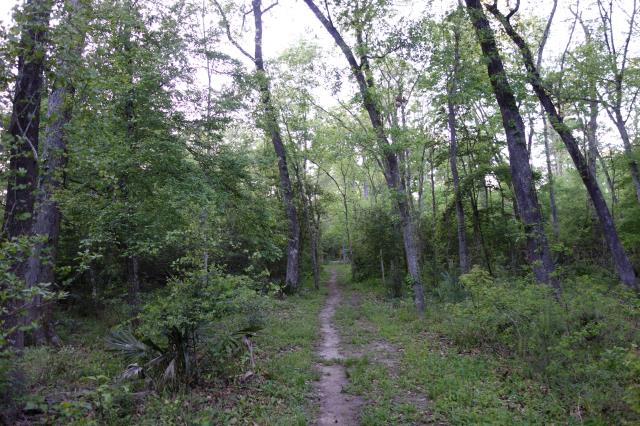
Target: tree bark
40 266
538 252
47 214
24 126
394 181
24 130
270 125
453 156
623 265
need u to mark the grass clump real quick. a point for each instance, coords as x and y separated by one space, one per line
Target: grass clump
505 352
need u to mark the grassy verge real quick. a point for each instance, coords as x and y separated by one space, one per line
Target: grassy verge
438 381
76 384
281 393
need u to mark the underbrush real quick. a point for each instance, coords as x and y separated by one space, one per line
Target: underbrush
213 378
581 348
497 350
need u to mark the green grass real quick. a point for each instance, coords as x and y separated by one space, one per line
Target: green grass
408 370
77 383
462 387
285 360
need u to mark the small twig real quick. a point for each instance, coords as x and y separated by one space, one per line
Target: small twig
269 8
225 23
514 10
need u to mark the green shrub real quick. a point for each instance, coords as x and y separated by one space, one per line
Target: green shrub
581 348
632 391
182 331
15 298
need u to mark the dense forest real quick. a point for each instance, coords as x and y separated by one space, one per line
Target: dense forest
409 213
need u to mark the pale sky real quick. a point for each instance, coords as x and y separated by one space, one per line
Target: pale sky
291 21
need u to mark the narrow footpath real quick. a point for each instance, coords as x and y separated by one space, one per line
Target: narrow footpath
336 407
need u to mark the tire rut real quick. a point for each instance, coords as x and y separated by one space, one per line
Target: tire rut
336 407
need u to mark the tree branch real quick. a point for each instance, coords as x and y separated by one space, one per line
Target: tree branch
227 27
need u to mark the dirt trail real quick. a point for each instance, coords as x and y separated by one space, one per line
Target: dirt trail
336 407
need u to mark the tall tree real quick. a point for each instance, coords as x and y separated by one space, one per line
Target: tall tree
24 129
621 261
46 225
613 93
25 119
453 151
363 75
269 123
538 252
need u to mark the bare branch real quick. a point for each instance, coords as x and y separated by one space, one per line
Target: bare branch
270 7
227 27
625 50
545 34
514 10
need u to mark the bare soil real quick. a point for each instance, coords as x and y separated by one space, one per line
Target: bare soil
336 407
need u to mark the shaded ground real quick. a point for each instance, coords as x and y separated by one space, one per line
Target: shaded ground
375 366
336 407
361 370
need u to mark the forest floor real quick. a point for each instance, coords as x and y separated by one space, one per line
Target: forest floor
336 407
371 364
347 354
402 371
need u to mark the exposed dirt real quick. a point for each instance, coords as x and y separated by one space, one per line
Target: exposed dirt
382 352
336 407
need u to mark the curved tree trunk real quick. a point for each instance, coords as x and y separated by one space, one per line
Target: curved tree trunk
270 125
623 265
538 252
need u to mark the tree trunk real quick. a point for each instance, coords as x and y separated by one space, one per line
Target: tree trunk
270 125
391 168
538 252
592 136
47 214
453 157
395 278
622 263
345 205
552 191
309 219
477 227
421 180
134 281
628 150
610 184
40 266
24 126
24 130
312 228
432 183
